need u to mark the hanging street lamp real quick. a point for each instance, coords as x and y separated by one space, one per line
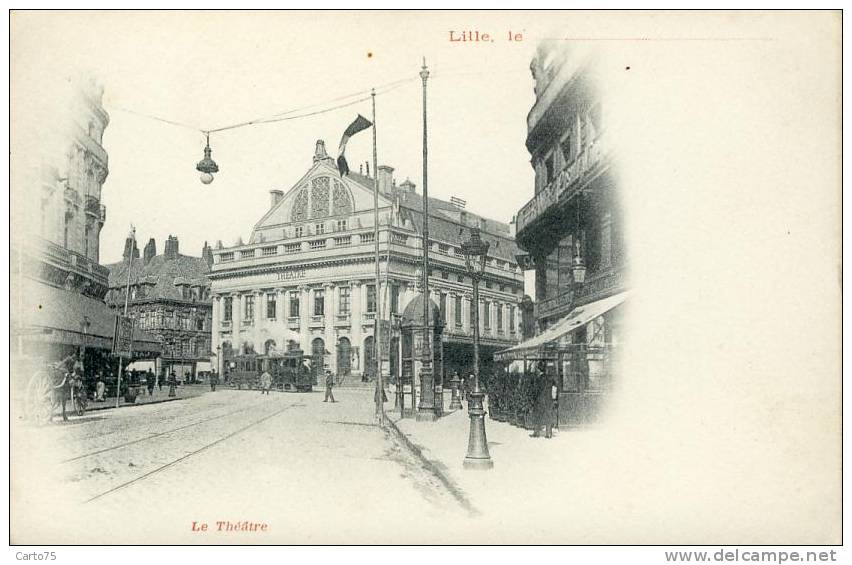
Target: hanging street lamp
475 255
207 166
578 266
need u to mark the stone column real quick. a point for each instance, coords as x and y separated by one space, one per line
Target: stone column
304 319
330 342
466 312
355 313
215 328
237 322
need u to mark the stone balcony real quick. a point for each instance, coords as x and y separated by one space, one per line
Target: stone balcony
567 182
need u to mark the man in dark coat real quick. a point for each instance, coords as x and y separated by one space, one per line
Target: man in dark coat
172 383
329 385
150 382
543 412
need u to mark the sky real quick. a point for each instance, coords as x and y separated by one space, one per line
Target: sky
209 70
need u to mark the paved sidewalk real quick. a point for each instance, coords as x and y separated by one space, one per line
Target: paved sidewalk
182 393
524 467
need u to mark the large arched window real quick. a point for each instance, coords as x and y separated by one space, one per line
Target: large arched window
269 347
300 207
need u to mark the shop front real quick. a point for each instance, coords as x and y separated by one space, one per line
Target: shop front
579 354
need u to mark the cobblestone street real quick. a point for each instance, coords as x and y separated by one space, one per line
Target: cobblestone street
313 472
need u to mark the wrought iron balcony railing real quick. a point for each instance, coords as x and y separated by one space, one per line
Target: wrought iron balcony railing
566 183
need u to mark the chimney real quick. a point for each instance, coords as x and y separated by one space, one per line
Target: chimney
320 153
368 167
407 186
207 255
171 250
385 179
275 197
150 251
130 248
361 169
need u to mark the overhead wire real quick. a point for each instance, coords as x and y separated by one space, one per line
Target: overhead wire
282 116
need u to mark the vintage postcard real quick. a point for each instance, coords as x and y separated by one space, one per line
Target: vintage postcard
425 277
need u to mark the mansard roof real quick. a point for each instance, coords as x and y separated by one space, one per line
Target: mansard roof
164 275
446 224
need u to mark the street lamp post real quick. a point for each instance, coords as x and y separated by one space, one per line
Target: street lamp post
426 409
475 254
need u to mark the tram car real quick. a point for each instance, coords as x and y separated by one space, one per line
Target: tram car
289 371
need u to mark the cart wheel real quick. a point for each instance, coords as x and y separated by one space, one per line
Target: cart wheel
39 398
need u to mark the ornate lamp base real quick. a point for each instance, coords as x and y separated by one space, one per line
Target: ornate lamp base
477 444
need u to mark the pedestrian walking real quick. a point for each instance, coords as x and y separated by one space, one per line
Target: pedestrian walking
100 388
150 381
329 385
543 410
265 382
160 379
214 380
172 384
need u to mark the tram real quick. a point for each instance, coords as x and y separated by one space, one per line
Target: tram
289 371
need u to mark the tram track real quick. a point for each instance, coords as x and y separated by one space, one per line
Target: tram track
186 456
156 435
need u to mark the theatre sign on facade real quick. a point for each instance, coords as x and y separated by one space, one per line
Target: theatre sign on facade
572 233
306 279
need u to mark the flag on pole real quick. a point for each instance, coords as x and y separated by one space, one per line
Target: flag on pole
360 124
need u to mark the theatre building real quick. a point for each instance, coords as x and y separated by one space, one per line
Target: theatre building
571 233
306 278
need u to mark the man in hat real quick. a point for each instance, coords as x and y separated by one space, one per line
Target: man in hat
329 385
543 412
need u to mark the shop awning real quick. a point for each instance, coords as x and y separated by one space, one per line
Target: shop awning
579 317
56 315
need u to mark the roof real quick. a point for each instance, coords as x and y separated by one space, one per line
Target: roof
413 313
445 222
163 274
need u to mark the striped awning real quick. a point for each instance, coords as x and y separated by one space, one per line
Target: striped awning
577 318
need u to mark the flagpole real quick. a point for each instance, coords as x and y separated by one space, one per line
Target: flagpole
126 300
380 408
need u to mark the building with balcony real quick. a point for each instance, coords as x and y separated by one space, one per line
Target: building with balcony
58 286
306 278
168 296
571 231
